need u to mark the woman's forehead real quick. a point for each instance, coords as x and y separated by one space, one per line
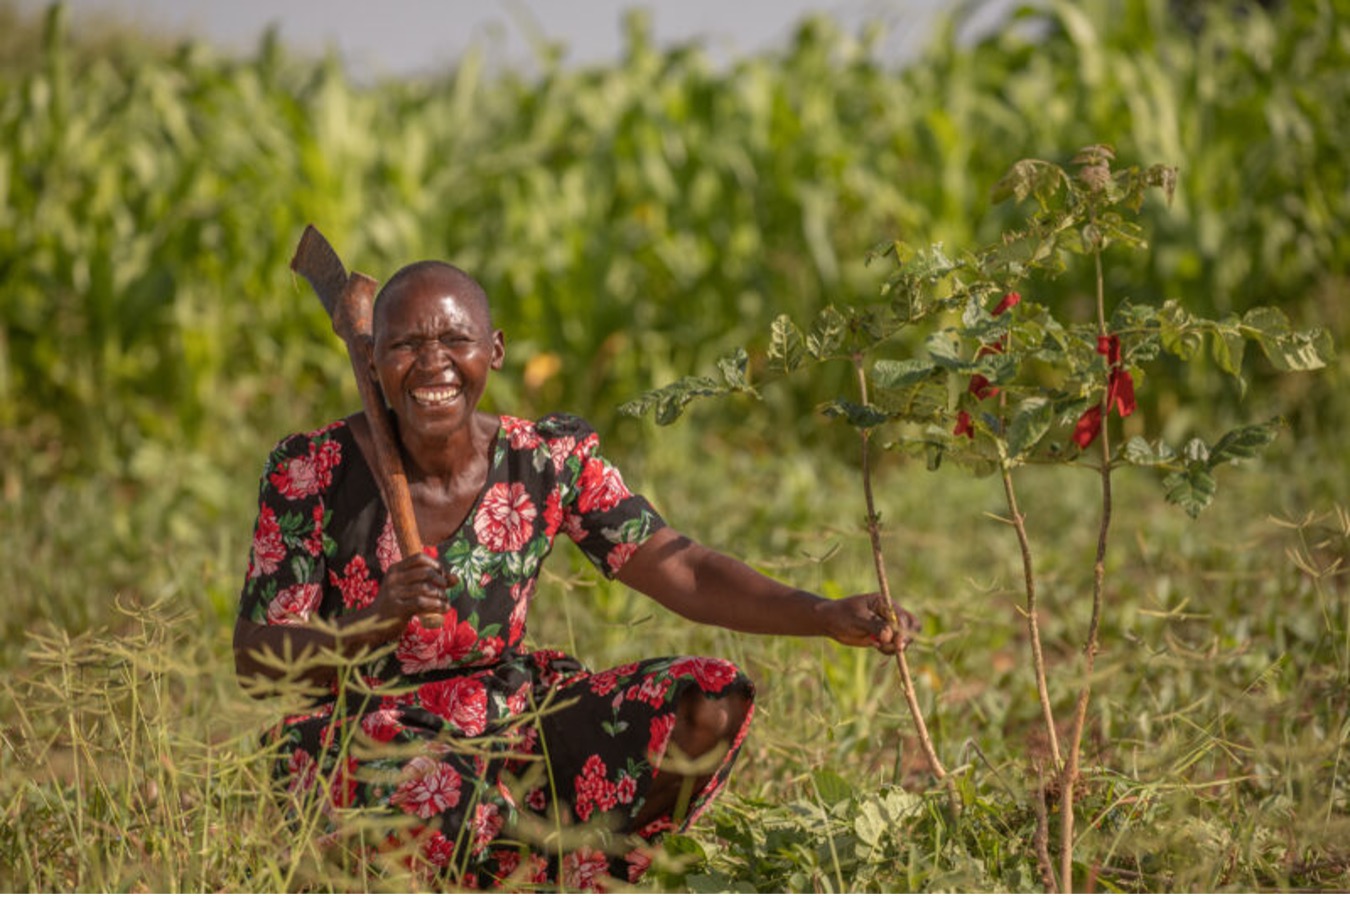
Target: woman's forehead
433 296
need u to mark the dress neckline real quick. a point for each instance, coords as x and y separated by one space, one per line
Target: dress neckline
488 480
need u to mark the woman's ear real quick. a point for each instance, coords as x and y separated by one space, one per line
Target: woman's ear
498 350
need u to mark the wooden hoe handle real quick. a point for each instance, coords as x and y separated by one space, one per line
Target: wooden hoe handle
350 300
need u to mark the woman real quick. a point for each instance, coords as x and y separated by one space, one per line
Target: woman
429 707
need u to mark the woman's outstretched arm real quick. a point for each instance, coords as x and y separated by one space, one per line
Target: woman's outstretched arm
709 587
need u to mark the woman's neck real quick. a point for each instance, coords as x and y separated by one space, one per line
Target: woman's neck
445 458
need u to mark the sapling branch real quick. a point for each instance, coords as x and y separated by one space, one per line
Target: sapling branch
1032 614
883 585
1069 775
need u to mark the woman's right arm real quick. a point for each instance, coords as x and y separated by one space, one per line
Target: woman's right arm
266 654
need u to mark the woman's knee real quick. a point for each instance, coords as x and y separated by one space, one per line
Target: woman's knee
703 722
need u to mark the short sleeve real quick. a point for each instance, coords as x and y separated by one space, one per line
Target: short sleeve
284 583
606 520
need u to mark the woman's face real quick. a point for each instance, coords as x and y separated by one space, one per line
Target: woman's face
434 347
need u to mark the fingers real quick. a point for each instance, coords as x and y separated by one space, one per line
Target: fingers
887 637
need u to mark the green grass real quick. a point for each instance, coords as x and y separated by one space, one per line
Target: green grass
1215 757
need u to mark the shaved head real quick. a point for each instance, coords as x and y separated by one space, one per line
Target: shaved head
435 275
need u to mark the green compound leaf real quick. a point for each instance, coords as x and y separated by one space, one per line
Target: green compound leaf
892 374
668 403
1139 451
1287 349
1192 489
1244 443
862 417
1029 424
1177 331
787 347
733 369
827 334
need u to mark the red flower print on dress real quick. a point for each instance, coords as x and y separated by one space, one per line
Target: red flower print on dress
519 701
382 725
437 849
520 432
300 476
358 588
619 556
314 542
658 738
561 449
511 866
427 649
553 513
342 791
625 789
604 683
537 799
487 824
268 547
386 548
462 701
651 690
521 593
639 860
303 770
584 868
571 526
294 604
712 675
602 487
428 787
505 519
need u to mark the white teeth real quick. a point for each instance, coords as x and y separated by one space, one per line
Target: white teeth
433 396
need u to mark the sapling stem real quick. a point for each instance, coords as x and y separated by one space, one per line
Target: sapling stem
883 584
1070 772
1033 625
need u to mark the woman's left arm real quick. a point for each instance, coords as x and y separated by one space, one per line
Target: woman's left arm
706 586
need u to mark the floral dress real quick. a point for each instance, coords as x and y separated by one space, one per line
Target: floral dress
484 761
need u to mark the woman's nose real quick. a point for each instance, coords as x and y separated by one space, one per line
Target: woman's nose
431 353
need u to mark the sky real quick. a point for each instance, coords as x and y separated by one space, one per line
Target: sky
411 37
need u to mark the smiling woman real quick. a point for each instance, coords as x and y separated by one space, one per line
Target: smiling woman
431 707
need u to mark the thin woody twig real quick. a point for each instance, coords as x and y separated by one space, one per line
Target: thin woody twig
1069 775
883 584
1041 839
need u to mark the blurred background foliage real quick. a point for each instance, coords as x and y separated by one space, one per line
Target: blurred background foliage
632 223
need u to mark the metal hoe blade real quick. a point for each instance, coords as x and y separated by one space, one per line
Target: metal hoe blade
317 262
